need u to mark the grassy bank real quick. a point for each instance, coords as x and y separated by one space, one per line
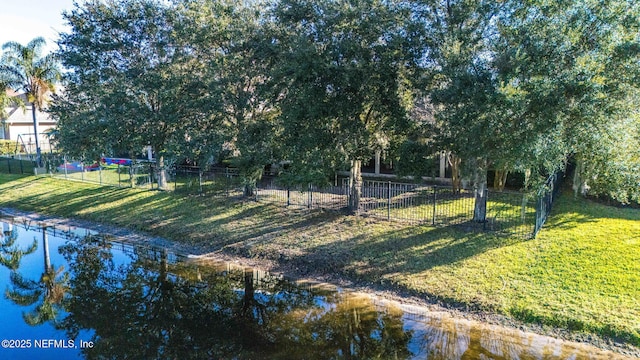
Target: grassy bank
581 273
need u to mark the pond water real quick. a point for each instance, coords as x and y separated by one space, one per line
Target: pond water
71 293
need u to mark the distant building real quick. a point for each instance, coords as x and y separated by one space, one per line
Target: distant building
376 167
18 126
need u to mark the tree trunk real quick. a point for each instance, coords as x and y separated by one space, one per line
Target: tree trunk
500 179
35 130
249 188
525 198
250 175
527 178
45 248
456 181
162 174
249 292
480 190
355 185
579 182
132 179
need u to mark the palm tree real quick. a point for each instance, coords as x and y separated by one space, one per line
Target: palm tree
23 68
6 100
47 293
10 253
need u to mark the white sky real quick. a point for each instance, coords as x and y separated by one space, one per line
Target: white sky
24 20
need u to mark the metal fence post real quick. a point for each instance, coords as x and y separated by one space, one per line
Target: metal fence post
64 165
310 196
100 173
435 199
226 175
389 202
21 167
119 180
288 197
175 179
82 171
539 214
9 164
486 209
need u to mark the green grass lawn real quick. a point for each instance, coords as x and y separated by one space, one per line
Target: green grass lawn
582 272
119 176
109 175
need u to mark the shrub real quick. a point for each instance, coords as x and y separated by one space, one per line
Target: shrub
8 147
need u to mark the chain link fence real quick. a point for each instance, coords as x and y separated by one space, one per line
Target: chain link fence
17 164
135 174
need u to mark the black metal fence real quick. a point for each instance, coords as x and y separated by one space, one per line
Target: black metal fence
545 199
214 181
508 212
310 196
514 213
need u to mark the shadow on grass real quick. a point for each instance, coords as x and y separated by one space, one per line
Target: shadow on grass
569 212
209 223
312 242
67 203
6 178
406 250
216 223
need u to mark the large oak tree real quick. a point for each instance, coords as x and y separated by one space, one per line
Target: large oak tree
343 69
131 83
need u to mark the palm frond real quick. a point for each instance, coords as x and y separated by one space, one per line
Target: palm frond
22 283
11 76
37 44
43 313
23 68
9 240
23 298
12 46
11 262
32 248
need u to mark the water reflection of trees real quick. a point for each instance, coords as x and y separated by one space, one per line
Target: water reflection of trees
351 328
46 293
10 253
159 309
444 338
150 306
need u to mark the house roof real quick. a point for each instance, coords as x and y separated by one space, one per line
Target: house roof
18 117
11 92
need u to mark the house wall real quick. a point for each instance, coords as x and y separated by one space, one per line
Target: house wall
24 135
443 175
19 127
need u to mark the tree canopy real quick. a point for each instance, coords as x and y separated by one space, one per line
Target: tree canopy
344 71
525 86
531 86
